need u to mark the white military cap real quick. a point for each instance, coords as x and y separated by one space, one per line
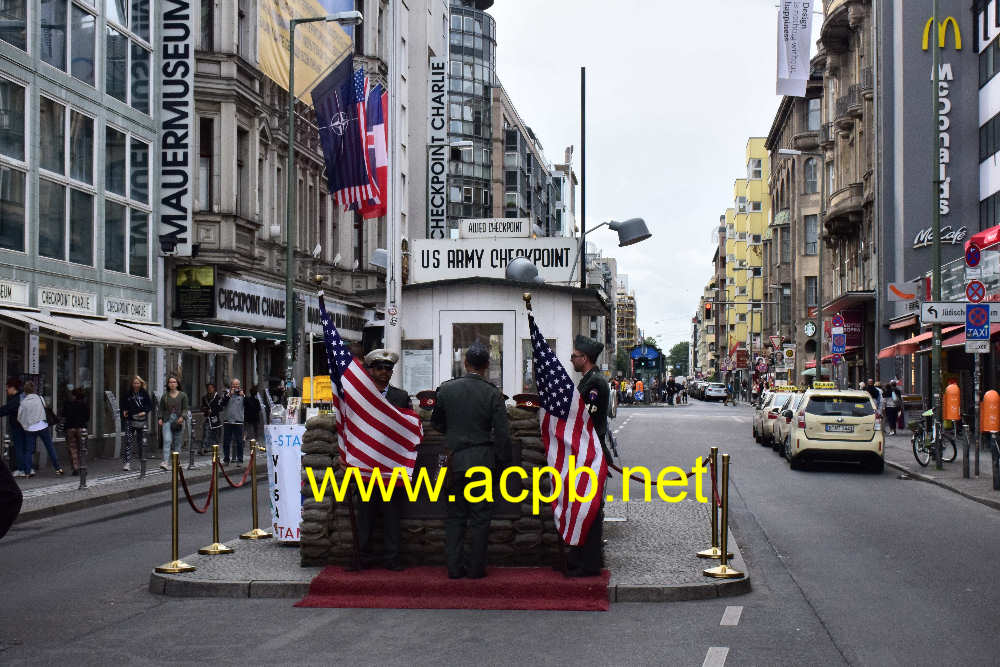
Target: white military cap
381 355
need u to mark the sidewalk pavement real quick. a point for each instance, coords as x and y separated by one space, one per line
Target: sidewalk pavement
47 494
899 455
650 552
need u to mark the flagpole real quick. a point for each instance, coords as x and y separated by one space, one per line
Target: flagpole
393 331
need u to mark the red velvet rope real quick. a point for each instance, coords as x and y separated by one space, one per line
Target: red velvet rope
187 492
246 473
715 488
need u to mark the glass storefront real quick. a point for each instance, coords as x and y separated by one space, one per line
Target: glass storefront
490 335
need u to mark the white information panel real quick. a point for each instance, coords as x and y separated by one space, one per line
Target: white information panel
284 478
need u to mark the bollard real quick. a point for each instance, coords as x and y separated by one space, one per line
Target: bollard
254 533
965 450
216 548
189 424
713 551
176 565
723 571
995 453
82 455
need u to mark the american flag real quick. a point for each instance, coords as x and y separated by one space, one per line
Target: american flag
340 113
372 432
567 431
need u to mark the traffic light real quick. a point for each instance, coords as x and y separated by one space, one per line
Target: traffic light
708 310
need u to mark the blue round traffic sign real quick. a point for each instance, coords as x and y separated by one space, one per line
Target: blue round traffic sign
973 255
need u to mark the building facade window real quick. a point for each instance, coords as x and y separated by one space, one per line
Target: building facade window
14 15
811 223
754 169
786 246
831 179
989 62
812 176
126 204
811 294
13 165
786 303
66 184
206 154
813 115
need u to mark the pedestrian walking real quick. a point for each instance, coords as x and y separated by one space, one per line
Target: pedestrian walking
17 435
76 417
212 425
470 412
233 417
34 415
729 398
173 406
135 414
10 499
893 399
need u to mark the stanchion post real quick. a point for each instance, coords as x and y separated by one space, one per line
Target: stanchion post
176 565
723 571
995 453
713 551
254 533
216 548
965 449
82 454
190 440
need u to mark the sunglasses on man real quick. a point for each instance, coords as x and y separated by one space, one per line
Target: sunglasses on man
382 366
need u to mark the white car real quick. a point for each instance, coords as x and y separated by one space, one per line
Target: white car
714 391
783 424
769 415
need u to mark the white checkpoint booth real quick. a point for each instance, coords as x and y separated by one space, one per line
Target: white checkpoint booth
442 318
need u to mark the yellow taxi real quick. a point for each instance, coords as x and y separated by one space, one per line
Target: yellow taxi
835 424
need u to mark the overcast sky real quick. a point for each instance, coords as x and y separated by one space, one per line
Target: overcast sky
674 89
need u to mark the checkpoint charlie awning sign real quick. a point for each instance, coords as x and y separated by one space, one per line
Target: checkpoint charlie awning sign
433 260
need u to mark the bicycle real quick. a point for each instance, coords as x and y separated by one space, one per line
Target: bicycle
923 449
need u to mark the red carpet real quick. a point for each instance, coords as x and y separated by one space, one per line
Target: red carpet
528 588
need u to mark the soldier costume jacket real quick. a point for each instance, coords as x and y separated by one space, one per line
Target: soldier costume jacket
398 397
596 394
470 412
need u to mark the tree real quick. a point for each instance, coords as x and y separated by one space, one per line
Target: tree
649 340
622 364
678 358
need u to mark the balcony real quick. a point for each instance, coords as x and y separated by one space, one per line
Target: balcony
827 135
806 139
847 109
846 210
868 82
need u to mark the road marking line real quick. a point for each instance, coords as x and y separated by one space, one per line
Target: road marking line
737 419
731 616
716 656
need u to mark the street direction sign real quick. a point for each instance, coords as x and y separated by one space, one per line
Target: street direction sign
972 255
943 312
975 291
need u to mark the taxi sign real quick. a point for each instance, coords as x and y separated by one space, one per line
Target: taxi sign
824 385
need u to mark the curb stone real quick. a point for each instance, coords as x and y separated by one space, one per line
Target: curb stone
993 504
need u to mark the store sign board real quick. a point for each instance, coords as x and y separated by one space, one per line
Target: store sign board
69 301
478 228
13 293
488 258
194 292
126 309
438 148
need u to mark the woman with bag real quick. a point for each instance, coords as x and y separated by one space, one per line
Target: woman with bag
173 406
32 417
135 413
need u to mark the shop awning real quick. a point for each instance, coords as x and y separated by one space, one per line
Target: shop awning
959 338
169 338
906 322
912 344
848 299
233 332
985 239
74 328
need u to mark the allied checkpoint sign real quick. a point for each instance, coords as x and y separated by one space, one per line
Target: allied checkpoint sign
450 259
284 478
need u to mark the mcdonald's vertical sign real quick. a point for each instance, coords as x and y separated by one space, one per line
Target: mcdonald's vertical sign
943 33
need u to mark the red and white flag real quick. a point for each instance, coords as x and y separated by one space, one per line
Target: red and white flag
373 433
568 431
377 145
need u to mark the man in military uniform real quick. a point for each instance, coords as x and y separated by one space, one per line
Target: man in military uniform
585 560
470 412
380 364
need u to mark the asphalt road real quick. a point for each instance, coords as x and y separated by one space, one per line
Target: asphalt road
847 567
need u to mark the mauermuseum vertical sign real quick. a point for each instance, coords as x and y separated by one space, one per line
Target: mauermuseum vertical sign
176 126
437 149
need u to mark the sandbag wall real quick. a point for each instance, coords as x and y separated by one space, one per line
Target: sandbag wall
517 537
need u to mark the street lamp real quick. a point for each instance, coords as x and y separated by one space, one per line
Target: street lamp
821 175
630 232
352 18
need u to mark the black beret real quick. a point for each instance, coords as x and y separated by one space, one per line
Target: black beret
478 355
589 347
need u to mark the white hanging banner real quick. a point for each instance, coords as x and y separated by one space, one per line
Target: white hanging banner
794 42
284 478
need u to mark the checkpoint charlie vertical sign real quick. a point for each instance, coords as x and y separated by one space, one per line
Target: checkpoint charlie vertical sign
175 154
437 149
